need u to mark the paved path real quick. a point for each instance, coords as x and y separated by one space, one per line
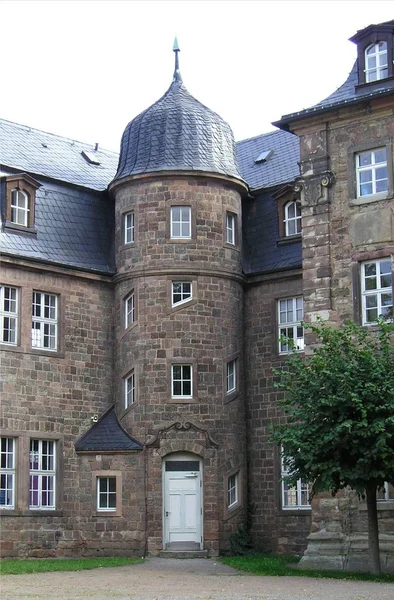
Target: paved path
170 579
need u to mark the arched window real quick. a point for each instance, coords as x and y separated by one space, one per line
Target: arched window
292 218
376 62
19 208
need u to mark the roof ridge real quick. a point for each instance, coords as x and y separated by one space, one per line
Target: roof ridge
255 137
55 135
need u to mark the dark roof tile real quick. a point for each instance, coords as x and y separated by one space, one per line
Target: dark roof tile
107 435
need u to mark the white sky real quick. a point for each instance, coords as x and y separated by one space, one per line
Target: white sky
84 69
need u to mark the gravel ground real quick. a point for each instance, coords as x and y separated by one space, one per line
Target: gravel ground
189 579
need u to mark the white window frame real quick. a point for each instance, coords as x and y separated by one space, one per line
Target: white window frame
372 168
296 491
45 470
183 379
106 494
9 310
387 493
44 331
380 292
129 390
185 292
129 227
381 64
231 220
232 490
129 310
287 325
231 376
7 472
184 223
292 221
19 208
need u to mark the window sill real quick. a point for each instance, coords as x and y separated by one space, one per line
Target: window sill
180 305
371 198
231 396
232 511
288 239
232 246
128 329
181 400
295 511
44 352
14 228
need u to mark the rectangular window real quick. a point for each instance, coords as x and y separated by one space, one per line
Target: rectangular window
44 321
42 474
377 290
106 494
230 228
129 228
181 384
8 315
291 332
129 310
181 225
231 379
232 490
371 172
181 292
7 472
293 497
129 390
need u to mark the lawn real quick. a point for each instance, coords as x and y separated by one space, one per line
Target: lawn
19 567
266 564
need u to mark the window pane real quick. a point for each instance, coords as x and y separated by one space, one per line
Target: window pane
365 159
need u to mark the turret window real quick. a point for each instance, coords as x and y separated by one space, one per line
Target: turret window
129 310
181 226
230 228
181 292
181 381
129 390
129 228
376 66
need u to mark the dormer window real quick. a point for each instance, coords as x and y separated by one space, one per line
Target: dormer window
292 218
20 201
376 66
19 208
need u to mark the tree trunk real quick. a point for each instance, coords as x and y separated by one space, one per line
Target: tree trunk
373 531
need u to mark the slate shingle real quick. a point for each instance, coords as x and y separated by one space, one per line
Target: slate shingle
281 166
107 435
40 153
177 133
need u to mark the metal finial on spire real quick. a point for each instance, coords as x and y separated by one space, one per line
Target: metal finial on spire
177 73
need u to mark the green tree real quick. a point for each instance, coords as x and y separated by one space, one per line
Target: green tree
339 404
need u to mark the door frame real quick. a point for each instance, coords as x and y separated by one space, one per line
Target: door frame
182 456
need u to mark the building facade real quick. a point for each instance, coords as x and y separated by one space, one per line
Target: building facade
143 298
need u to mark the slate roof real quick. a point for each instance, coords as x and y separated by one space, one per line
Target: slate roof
262 253
177 133
40 153
107 435
347 93
74 227
281 166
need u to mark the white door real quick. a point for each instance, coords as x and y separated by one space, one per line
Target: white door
182 502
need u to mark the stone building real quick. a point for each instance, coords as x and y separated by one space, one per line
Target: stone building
142 301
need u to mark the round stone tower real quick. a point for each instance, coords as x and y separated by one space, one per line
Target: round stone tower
179 319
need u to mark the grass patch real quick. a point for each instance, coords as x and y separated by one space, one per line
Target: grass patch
21 566
268 564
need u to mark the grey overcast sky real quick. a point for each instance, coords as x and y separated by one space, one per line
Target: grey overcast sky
84 69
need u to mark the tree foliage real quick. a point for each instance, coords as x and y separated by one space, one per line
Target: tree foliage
339 407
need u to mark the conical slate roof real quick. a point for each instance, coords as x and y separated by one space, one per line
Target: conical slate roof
177 133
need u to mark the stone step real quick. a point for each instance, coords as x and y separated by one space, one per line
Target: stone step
183 554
